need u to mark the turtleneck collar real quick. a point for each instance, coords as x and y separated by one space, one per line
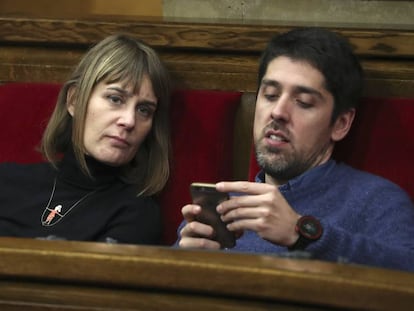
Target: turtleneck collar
103 175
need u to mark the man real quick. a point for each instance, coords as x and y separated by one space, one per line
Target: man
309 85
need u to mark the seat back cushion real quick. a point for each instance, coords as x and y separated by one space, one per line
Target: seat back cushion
202 126
381 140
24 111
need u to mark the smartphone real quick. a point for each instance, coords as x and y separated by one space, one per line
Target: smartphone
206 195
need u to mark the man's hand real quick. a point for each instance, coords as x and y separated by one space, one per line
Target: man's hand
195 234
262 209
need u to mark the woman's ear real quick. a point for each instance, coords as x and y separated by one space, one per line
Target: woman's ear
342 125
70 100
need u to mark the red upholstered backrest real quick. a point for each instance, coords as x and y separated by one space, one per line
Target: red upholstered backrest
380 141
202 124
24 111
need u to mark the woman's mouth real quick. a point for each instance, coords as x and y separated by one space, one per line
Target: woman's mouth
118 141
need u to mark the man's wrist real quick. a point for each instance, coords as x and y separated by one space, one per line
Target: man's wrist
309 230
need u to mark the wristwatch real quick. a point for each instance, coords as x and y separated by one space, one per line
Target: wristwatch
309 229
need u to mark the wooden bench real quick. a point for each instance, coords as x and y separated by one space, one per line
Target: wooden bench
61 275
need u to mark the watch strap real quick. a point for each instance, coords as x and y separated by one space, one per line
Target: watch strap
309 229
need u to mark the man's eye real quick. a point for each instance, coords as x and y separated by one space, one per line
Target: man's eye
303 104
270 97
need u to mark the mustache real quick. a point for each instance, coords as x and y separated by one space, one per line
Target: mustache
275 125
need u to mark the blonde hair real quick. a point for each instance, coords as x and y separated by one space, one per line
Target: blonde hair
117 58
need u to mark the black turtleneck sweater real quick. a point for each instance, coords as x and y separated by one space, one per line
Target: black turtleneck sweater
100 209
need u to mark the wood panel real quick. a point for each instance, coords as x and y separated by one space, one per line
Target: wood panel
178 34
191 70
61 275
200 56
76 8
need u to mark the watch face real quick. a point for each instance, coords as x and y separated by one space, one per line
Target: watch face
310 228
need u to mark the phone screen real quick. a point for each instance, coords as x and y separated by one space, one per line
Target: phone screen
208 198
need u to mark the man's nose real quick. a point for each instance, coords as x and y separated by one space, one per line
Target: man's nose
281 108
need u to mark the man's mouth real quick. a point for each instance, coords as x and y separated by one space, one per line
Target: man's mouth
277 137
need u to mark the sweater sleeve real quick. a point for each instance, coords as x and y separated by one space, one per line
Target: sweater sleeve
380 234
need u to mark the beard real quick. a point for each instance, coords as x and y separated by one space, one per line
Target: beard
281 165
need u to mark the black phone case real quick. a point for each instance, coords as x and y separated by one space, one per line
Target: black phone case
208 198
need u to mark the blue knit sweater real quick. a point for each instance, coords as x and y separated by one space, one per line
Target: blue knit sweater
366 219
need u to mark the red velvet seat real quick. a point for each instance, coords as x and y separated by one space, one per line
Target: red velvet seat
380 141
24 112
202 125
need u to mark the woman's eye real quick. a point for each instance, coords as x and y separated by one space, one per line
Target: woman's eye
145 111
115 99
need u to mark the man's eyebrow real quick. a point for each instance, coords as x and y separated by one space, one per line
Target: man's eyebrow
267 82
298 89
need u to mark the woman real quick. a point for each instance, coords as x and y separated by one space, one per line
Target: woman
107 146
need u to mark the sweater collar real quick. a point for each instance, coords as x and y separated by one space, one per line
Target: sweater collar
307 178
71 172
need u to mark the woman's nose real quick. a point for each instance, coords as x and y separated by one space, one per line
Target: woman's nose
127 118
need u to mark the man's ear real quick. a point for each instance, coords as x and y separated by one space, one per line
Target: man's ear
70 100
342 125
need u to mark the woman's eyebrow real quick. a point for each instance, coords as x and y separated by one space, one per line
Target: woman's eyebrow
129 94
119 89
148 102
